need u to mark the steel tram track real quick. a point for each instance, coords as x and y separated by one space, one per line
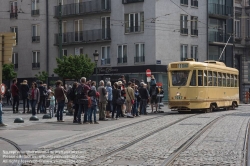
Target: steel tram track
144 136
17 147
189 142
106 132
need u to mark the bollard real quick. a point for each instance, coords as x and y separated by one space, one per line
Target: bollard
46 116
19 120
34 118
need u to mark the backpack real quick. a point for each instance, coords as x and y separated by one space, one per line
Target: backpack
70 94
80 92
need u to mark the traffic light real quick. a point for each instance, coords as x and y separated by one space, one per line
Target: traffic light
8 42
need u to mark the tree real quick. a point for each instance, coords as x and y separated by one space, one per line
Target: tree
8 72
74 67
42 76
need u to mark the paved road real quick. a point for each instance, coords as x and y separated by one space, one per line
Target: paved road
134 141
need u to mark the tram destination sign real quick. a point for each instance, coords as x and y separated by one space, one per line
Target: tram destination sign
180 66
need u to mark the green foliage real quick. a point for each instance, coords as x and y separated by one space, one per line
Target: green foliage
42 76
8 72
74 67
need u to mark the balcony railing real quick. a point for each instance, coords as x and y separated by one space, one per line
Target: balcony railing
131 1
15 66
218 9
88 36
194 3
35 12
194 32
139 59
184 2
184 31
35 65
133 29
13 15
105 61
35 39
122 60
82 8
219 37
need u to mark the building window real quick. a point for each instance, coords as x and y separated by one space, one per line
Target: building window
13 9
248 28
79 51
194 3
60 1
64 31
237 29
15 60
35 33
78 30
194 52
105 55
131 1
15 29
36 60
65 52
122 54
184 29
215 52
184 49
140 53
106 28
184 2
34 7
134 22
194 26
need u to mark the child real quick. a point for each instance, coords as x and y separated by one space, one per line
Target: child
1 112
52 104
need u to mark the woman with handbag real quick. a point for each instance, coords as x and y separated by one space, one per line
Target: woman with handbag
34 97
117 101
130 99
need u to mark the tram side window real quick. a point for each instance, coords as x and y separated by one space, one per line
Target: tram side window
235 81
224 79
232 80
205 77
200 78
228 80
210 78
193 79
219 79
214 78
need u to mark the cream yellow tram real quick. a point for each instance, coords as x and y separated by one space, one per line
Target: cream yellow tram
202 86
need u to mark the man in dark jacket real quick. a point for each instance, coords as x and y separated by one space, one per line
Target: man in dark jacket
43 93
15 95
144 98
24 92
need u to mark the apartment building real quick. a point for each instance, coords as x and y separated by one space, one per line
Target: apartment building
134 35
242 44
34 26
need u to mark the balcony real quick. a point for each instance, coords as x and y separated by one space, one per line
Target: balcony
139 59
13 15
35 12
220 11
194 32
131 1
133 29
184 2
220 37
35 39
184 31
81 37
83 8
122 60
35 65
105 61
194 3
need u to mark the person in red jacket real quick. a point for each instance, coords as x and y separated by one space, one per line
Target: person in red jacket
15 95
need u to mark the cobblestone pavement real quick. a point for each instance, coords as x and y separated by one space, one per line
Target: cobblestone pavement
223 144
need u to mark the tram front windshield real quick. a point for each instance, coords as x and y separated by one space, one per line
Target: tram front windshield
179 78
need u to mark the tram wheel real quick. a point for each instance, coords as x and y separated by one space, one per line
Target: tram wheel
233 106
211 108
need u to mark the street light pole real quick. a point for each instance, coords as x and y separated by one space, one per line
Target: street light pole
96 56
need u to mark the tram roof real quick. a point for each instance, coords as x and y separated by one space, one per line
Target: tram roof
209 64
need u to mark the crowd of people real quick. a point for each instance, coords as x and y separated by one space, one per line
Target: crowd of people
121 99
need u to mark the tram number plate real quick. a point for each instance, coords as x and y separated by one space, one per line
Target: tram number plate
178 97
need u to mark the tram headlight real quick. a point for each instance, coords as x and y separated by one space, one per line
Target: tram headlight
178 94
